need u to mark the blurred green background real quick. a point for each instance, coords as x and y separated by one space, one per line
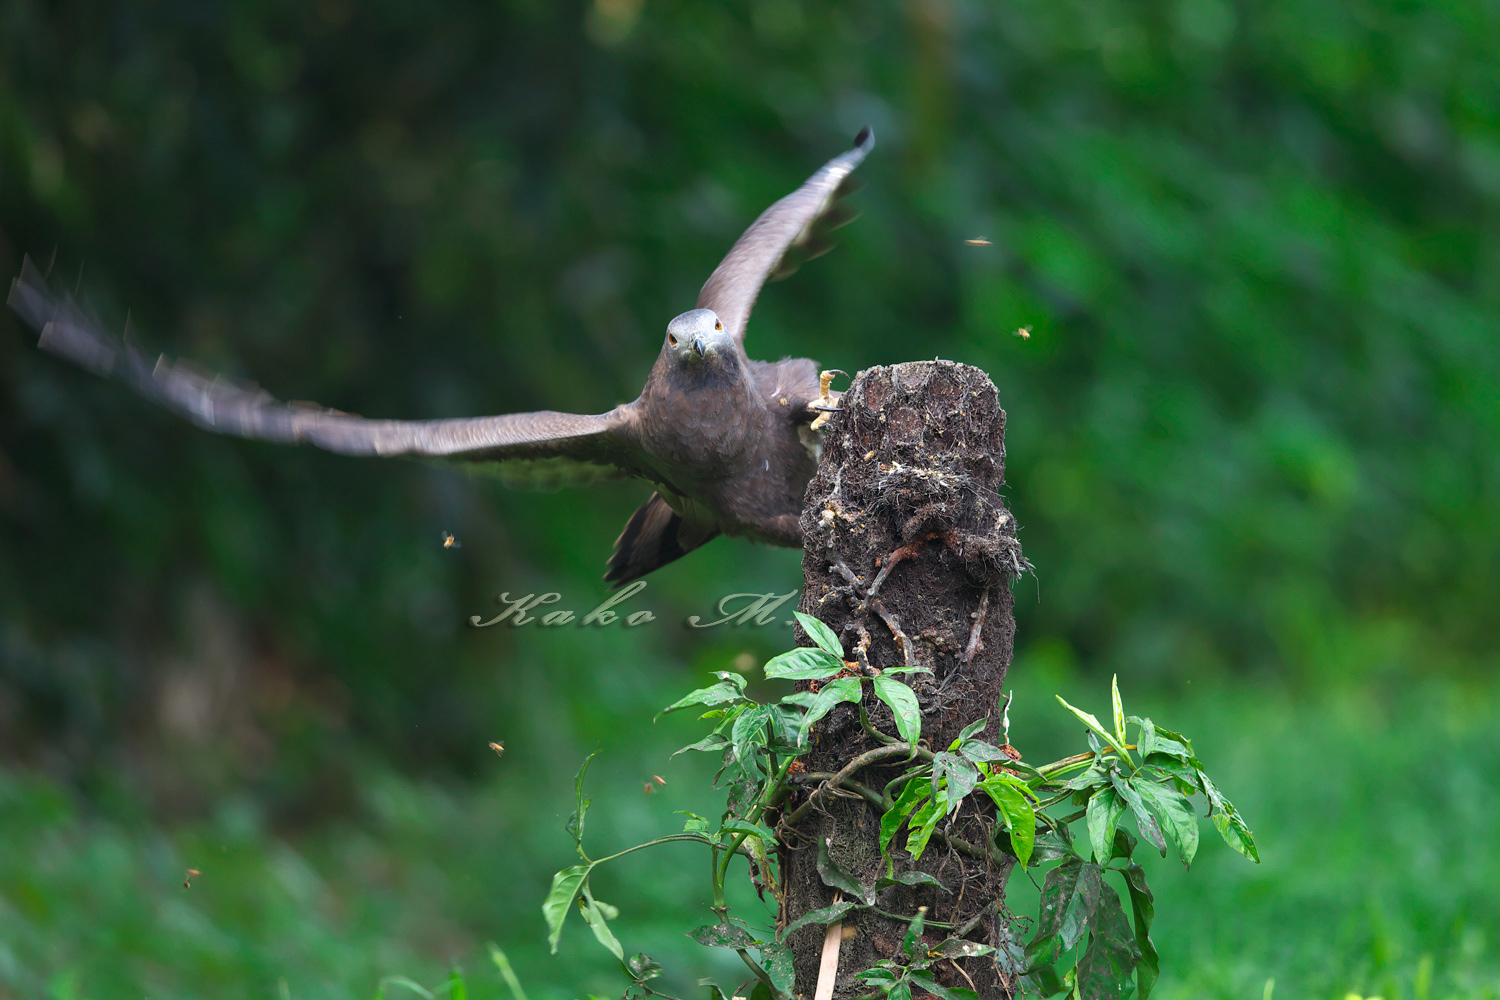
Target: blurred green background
1251 448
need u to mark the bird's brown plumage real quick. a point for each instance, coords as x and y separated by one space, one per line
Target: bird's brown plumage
722 437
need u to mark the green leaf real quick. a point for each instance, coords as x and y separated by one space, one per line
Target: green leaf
777 960
1145 745
911 943
826 915
594 914
743 795
1227 819
845 689
799 699
581 807
1237 835
1171 748
835 876
1114 697
786 721
1179 769
1104 971
911 878
722 693
1093 723
972 729
820 634
924 979
1175 744
961 774
695 823
923 823
722 936
803 664
903 703
1009 795
736 825
1043 982
1144 821
900 991
457 988
748 734
1084 780
1105 809
1124 845
912 793
877 975
1143 906
1070 895
981 752
565 886
731 677
1054 845
1177 816
713 741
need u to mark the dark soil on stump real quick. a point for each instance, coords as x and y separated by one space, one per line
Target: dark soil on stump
914 461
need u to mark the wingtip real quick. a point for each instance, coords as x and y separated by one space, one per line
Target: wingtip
865 141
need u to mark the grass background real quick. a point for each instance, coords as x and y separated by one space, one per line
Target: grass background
1251 449
1373 811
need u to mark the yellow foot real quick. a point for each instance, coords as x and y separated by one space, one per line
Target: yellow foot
826 403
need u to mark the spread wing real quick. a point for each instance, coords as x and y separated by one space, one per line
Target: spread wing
606 441
796 226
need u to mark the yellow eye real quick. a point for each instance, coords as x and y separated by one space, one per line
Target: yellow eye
718 325
671 340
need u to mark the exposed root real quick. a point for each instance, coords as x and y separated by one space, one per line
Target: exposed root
974 644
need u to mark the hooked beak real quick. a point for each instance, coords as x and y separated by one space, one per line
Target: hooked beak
698 348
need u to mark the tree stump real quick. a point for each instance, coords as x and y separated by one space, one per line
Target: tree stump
906 503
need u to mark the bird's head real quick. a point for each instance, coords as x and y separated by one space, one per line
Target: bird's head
695 335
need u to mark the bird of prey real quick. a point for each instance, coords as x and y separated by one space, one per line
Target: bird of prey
729 443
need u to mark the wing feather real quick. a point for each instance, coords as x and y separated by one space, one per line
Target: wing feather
798 221
228 407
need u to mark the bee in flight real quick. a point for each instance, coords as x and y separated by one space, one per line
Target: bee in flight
449 542
978 241
1024 332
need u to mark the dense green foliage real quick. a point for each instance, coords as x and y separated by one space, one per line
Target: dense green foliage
1252 435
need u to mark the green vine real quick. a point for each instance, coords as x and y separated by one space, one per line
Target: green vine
1083 943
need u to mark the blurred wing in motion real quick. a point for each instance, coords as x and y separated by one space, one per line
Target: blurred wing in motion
606 441
792 230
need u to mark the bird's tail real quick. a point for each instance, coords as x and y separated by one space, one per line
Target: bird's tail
654 536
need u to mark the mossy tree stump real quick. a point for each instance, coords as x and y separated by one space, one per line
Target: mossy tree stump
906 503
